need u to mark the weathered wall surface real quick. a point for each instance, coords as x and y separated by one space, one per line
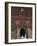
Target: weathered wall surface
21 18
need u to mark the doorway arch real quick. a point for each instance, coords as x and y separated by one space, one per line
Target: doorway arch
22 27
22 32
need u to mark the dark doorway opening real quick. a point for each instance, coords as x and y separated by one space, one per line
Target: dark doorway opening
22 32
